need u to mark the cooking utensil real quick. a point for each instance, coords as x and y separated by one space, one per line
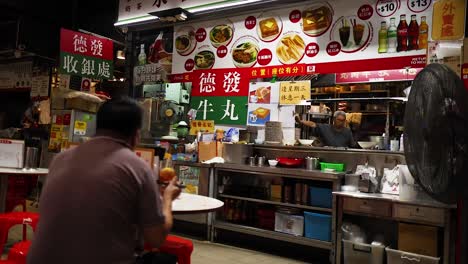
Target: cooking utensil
261 161
290 162
312 163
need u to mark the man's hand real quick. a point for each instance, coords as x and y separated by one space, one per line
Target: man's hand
171 191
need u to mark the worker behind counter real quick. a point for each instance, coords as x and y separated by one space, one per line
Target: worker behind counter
335 135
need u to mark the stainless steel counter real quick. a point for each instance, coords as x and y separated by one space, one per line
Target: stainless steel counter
395 199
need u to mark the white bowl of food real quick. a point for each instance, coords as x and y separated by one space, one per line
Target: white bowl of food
306 142
289 142
273 163
367 144
245 55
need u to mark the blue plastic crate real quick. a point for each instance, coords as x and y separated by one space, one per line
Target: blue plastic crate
320 197
317 226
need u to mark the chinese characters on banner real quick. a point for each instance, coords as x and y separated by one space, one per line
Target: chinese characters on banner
199 125
220 95
292 93
85 55
448 20
377 76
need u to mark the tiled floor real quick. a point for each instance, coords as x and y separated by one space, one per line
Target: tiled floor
206 252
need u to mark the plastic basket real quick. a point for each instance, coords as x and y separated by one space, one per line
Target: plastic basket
339 167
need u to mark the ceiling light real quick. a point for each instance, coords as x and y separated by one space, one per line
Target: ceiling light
135 20
228 4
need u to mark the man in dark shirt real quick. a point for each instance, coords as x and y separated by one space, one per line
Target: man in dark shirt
100 195
336 135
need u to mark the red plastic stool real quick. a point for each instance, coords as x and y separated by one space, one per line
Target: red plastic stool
180 247
19 252
7 262
7 220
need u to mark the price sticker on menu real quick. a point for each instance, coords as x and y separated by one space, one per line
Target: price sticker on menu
386 8
418 6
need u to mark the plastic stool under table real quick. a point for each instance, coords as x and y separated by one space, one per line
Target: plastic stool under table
19 252
180 247
7 220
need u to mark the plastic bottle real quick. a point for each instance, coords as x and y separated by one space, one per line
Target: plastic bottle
392 36
142 55
383 37
401 143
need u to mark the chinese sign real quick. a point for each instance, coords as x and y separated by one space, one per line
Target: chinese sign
190 176
85 55
449 20
145 73
223 110
292 93
223 82
390 34
377 76
201 125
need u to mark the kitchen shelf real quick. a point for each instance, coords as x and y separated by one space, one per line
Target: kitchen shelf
328 210
273 235
370 91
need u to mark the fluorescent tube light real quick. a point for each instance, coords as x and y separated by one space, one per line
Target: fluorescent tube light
135 20
221 5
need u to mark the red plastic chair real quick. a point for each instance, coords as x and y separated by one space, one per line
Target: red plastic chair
19 252
180 247
7 220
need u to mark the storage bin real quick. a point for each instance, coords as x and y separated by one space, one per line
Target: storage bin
360 253
402 257
317 226
320 196
289 224
339 167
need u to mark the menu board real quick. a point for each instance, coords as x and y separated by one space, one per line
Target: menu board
263 103
388 31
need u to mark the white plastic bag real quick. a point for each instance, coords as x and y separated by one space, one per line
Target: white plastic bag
390 181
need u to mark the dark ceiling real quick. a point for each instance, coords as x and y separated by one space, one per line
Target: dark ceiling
40 22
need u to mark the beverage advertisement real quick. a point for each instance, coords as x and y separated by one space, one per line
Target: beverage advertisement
263 103
320 32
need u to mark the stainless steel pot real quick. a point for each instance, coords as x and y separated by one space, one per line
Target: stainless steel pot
312 163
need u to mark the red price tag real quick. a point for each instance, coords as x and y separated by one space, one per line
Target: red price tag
264 57
189 64
365 12
200 35
418 6
295 16
333 48
250 22
222 51
312 49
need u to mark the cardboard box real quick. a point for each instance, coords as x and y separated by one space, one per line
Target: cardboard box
207 150
418 239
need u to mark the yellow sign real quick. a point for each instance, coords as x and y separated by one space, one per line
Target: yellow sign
80 128
146 154
448 20
206 126
292 93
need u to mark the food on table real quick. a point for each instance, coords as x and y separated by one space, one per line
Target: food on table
269 27
221 34
183 43
245 54
316 19
291 48
261 112
204 59
167 174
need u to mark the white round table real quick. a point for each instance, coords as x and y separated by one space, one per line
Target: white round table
195 204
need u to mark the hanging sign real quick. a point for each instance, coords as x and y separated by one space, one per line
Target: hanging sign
85 55
377 76
292 93
201 125
448 20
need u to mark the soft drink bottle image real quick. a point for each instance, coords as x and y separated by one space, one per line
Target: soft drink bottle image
423 33
413 34
392 36
383 37
402 34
